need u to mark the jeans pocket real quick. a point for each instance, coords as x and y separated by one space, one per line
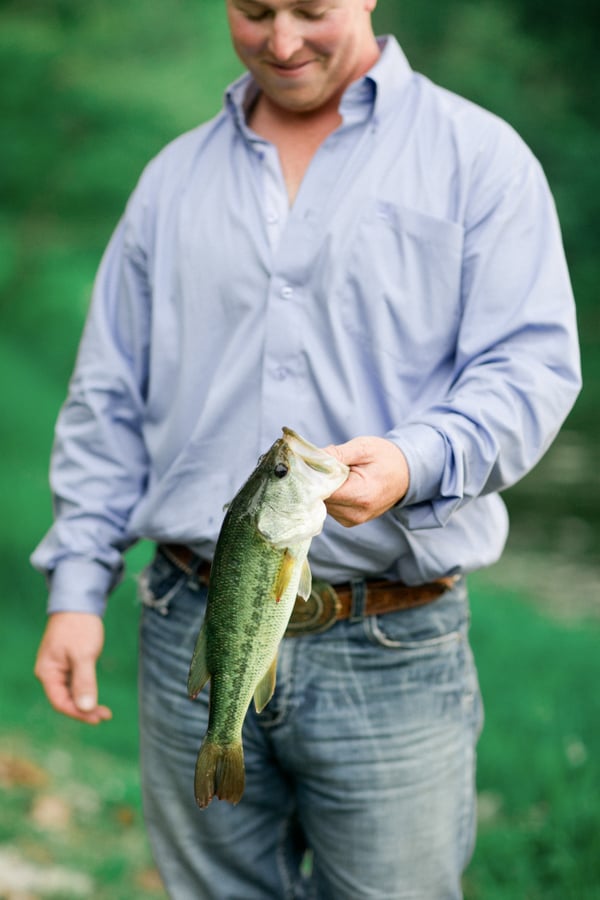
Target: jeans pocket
423 628
381 630
159 583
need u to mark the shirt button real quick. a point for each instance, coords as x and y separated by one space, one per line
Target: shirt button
272 218
282 373
287 292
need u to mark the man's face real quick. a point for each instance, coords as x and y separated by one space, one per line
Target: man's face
303 53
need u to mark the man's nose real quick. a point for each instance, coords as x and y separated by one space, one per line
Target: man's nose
285 37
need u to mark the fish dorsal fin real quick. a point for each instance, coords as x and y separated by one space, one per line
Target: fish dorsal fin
305 586
265 687
199 673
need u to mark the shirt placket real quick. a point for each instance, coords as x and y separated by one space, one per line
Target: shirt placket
282 358
292 236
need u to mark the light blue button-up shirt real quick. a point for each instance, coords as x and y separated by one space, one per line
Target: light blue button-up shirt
417 289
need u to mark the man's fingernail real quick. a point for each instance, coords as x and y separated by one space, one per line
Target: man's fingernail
86 703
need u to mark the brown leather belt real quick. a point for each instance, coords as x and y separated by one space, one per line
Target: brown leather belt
328 603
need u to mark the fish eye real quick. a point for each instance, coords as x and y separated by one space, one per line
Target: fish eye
280 470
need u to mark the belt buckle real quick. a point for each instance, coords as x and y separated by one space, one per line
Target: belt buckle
317 614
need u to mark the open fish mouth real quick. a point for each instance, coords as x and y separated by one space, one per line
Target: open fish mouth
313 456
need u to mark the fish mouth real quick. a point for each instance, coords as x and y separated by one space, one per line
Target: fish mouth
314 457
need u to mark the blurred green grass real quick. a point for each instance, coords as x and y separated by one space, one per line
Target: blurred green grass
538 757
90 93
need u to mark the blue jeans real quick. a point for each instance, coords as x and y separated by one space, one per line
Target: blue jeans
359 773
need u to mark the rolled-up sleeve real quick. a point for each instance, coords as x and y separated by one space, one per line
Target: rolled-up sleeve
516 369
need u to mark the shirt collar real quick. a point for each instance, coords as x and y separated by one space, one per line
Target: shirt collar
390 75
374 93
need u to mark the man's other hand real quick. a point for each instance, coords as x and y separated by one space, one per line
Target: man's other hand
66 665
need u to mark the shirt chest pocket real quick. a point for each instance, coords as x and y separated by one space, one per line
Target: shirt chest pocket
401 291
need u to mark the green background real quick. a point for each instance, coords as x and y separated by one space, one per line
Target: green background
90 92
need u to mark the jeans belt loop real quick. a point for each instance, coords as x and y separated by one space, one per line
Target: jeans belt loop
359 596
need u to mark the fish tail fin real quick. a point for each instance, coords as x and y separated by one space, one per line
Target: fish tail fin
219 772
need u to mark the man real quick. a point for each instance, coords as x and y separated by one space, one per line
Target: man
362 256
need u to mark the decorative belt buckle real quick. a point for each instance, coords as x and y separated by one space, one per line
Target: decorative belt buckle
317 614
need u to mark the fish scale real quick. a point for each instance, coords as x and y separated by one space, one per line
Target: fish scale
259 567
260 626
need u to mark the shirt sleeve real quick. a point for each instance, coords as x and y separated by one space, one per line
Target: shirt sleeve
517 371
99 463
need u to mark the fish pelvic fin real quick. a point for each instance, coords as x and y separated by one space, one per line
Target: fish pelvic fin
199 674
219 773
265 687
305 586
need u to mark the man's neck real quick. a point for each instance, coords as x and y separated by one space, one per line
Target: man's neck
272 121
297 137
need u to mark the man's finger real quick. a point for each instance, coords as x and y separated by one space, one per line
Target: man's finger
84 688
56 690
59 696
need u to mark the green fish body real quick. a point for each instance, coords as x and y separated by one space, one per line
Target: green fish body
259 567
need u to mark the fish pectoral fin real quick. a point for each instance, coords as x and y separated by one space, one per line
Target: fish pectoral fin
265 687
285 574
199 673
305 586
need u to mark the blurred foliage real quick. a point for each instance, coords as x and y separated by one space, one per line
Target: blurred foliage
90 92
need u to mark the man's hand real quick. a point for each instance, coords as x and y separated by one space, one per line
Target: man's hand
378 480
66 665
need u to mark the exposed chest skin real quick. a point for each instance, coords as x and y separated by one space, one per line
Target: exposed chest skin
297 137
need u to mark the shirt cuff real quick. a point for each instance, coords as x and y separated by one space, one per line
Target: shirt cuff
425 451
78 584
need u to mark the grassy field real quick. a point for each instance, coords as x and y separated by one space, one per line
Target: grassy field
70 820
539 754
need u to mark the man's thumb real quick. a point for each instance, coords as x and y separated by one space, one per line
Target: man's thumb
84 687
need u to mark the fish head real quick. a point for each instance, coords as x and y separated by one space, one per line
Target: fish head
297 477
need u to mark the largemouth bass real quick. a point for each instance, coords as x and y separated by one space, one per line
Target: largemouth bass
259 567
